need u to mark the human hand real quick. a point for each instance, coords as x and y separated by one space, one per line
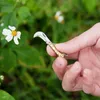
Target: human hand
84 74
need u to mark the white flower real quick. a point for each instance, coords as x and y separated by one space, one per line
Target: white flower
11 33
58 13
2 24
59 17
42 36
1 77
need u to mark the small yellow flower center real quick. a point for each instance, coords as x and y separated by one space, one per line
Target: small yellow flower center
14 33
56 17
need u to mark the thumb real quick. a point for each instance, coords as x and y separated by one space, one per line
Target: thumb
86 39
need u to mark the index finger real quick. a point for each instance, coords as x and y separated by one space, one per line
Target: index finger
53 54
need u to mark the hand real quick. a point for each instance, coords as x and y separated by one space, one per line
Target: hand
84 74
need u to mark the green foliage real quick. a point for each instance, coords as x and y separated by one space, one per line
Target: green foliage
5 96
28 56
90 5
23 12
7 63
27 67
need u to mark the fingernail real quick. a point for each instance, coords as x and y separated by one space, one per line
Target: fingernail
86 91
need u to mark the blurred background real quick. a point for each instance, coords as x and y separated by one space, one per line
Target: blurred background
27 68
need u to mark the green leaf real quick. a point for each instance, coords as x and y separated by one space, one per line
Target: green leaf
29 56
7 60
23 1
23 12
32 5
8 2
10 19
8 8
90 5
6 19
24 38
5 96
13 19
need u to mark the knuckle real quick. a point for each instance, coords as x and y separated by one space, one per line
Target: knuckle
97 25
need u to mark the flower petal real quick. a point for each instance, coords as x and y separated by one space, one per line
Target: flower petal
9 38
12 28
2 24
60 19
6 32
58 13
18 34
16 40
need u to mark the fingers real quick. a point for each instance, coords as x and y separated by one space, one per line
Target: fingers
52 53
97 45
70 77
88 86
96 91
88 38
59 67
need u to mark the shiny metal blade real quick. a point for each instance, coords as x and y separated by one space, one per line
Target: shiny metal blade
46 39
42 36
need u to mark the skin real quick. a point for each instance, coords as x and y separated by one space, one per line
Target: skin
84 74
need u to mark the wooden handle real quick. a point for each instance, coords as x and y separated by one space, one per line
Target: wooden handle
56 51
